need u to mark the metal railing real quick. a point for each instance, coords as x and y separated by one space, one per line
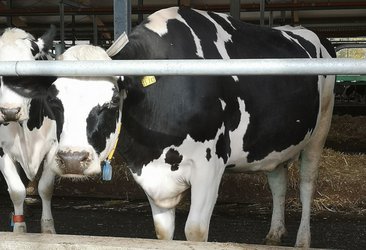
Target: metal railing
186 67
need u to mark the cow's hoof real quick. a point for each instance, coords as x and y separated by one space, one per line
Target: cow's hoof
20 227
48 227
271 242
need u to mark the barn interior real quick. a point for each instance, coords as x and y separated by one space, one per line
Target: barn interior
342 21
93 20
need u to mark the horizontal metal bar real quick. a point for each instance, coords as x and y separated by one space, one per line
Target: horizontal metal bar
186 67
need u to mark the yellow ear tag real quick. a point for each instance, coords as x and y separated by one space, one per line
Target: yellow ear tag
148 80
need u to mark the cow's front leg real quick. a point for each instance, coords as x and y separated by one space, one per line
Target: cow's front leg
45 190
204 191
16 191
277 180
164 221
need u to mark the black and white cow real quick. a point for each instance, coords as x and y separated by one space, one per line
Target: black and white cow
92 114
27 132
85 112
183 132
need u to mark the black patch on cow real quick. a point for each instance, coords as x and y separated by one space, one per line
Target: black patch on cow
1 152
173 158
328 46
224 23
151 123
100 123
221 148
21 173
204 29
309 47
277 118
208 154
49 106
29 86
34 48
48 38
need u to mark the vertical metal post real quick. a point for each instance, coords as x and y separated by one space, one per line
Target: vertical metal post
62 26
95 30
140 4
283 17
235 9
261 7
270 21
73 29
9 19
122 17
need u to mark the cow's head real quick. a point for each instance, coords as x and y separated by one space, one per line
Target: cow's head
18 45
92 113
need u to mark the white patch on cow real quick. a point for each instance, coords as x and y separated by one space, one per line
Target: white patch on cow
236 78
304 33
157 21
226 18
236 136
28 147
295 40
9 99
223 37
158 24
223 104
164 186
15 45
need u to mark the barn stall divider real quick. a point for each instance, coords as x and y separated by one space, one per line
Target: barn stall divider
161 67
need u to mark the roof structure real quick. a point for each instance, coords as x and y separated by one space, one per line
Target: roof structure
93 20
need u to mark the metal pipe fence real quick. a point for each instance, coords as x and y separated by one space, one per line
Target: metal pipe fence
307 66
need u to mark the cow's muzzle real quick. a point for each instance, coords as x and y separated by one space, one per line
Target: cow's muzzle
73 162
10 114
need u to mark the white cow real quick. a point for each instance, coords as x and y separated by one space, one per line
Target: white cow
82 113
27 133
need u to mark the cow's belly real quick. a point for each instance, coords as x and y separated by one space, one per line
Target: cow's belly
238 161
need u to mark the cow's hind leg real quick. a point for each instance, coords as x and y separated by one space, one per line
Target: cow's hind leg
277 180
164 221
45 190
17 192
204 190
310 157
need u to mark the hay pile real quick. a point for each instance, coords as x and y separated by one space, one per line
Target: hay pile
341 185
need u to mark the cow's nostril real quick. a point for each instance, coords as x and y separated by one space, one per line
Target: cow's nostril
10 114
73 162
84 156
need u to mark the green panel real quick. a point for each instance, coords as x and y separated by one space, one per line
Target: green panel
351 79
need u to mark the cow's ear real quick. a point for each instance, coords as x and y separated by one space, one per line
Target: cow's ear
44 43
29 86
